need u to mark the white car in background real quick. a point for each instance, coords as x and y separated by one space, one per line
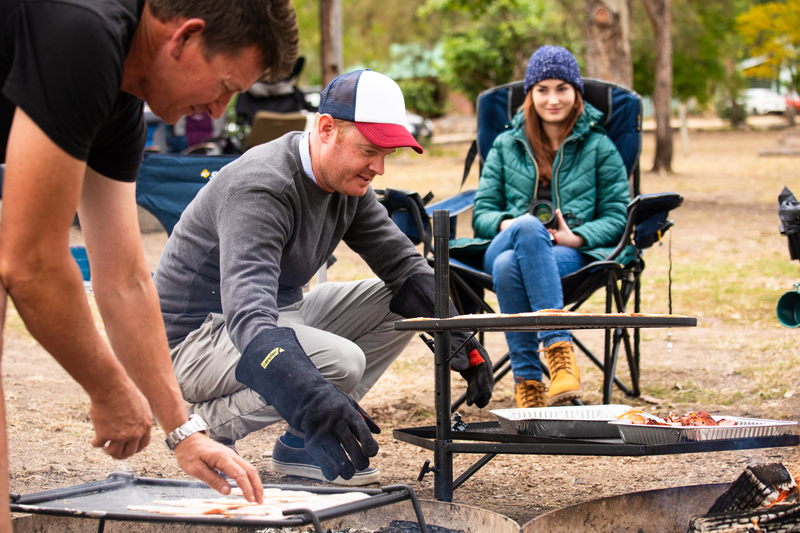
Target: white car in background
764 101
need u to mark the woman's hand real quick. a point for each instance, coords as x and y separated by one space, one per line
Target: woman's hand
564 235
506 223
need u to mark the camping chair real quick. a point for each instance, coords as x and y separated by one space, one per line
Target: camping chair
269 125
646 224
167 184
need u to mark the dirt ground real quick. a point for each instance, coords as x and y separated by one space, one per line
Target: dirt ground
730 212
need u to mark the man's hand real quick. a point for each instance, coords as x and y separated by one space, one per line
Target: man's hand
416 298
122 420
199 456
338 427
564 235
275 366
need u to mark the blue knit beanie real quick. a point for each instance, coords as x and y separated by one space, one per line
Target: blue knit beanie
552 63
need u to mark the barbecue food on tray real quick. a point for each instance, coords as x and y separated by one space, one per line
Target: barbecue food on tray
275 502
692 418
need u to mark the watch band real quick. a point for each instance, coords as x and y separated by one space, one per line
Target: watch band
180 433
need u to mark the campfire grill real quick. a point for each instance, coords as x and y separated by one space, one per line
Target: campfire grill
490 438
109 500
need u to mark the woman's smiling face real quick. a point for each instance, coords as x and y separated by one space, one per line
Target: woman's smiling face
553 100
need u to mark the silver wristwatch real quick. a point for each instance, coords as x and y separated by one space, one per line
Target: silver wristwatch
180 433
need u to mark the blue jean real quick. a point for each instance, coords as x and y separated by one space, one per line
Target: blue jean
527 271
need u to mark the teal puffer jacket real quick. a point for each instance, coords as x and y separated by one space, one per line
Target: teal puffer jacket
589 185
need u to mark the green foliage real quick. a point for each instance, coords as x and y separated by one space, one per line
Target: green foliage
369 28
725 110
308 22
772 30
417 69
700 32
414 60
488 42
424 96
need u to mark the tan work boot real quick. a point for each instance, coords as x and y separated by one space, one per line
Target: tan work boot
530 393
565 378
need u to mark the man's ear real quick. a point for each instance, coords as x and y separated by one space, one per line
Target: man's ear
183 33
326 128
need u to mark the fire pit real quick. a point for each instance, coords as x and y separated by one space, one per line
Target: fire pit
763 498
657 511
450 515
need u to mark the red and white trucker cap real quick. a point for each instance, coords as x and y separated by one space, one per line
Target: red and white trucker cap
375 104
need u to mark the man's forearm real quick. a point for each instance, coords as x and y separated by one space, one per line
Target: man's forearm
53 305
135 328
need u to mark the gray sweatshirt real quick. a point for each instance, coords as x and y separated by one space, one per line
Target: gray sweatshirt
257 233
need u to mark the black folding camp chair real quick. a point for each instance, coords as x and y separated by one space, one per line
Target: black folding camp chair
647 222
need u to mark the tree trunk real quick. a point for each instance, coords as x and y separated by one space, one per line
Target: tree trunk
732 92
607 26
330 29
658 11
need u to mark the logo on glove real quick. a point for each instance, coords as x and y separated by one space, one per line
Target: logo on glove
270 356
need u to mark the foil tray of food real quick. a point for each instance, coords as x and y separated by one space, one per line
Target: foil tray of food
730 427
575 422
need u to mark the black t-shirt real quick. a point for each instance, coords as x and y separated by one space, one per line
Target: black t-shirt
62 62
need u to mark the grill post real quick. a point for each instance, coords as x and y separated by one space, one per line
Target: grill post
443 459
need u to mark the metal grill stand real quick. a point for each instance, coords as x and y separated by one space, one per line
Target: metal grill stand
491 440
109 499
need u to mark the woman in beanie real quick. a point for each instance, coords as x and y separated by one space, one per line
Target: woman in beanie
554 151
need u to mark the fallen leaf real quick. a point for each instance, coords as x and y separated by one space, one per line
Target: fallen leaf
651 399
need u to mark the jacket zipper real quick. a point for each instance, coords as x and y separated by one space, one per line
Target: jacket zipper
555 174
535 165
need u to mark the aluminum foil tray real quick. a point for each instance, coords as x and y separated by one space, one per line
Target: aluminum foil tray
745 427
576 422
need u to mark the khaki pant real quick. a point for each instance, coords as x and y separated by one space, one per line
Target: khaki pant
346 329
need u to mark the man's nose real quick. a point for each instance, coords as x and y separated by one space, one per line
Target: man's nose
376 165
217 108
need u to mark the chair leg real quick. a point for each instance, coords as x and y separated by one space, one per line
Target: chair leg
456 279
608 363
632 364
593 358
637 304
501 373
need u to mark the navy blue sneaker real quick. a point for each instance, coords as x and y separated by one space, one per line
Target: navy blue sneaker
298 462
226 442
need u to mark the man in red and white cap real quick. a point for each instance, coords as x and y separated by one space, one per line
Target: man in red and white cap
248 347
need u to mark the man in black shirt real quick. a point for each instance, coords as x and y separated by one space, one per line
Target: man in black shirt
73 74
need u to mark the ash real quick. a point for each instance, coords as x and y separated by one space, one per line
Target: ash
403 526
400 526
395 526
